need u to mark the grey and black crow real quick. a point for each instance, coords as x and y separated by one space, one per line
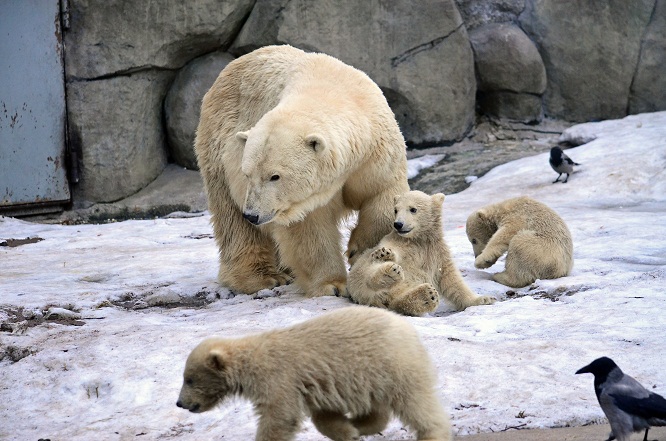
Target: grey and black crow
561 163
628 406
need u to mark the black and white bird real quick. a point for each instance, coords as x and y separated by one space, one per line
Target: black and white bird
561 163
628 406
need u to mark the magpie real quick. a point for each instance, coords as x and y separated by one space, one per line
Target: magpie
628 406
561 163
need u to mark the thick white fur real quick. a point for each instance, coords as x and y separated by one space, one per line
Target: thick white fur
349 370
536 239
298 140
407 272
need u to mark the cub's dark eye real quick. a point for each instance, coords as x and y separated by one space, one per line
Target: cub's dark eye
473 241
412 210
189 381
275 177
395 211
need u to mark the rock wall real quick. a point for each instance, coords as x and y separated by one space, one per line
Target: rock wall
136 71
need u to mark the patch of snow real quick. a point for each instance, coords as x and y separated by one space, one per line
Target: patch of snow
414 166
118 375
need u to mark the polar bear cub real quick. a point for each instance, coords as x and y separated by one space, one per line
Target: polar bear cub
412 266
349 370
536 239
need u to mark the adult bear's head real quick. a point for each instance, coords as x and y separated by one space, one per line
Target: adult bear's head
292 165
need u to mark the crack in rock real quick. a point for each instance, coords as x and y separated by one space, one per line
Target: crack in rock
410 53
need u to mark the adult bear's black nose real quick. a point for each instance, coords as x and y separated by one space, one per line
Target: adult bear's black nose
179 404
398 225
252 218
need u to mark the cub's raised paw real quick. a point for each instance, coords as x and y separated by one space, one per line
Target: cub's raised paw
393 271
382 253
420 300
429 296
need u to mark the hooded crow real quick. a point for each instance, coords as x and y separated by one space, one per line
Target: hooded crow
628 406
561 163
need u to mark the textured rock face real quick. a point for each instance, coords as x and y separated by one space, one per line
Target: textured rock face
132 49
479 12
511 75
125 36
116 124
648 91
590 53
506 59
601 60
182 106
424 66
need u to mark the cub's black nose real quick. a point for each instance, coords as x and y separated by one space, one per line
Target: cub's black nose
398 225
252 218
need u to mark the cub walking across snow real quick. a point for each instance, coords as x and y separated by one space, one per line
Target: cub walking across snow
412 266
349 370
536 239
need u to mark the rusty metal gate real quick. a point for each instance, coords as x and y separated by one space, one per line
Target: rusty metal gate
33 172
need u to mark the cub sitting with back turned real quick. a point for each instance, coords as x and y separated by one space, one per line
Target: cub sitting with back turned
536 239
412 266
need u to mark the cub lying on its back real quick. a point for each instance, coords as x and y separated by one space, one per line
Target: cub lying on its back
350 370
412 266
537 241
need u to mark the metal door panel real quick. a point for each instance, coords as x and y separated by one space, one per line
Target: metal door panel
32 104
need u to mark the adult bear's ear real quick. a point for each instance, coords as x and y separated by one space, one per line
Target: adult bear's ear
315 142
215 360
438 199
242 136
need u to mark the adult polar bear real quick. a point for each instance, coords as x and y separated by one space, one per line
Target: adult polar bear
288 144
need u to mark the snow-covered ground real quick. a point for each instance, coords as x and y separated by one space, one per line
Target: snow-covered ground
112 369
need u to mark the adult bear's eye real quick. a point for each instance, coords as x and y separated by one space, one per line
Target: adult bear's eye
473 241
412 210
189 381
275 177
396 211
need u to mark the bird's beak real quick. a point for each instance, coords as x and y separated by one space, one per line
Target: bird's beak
583 370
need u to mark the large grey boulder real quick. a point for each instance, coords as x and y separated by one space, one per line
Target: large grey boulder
590 56
424 66
648 90
116 127
182 106
106 37
510 72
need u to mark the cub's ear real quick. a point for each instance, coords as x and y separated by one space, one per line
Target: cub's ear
315 142
481 215
438 198
215 360
242 136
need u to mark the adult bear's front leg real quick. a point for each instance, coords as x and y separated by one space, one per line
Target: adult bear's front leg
248 260
312 249
375 220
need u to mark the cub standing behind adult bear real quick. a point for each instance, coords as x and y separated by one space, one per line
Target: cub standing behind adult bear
349 370
537 241
412 265
288 144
